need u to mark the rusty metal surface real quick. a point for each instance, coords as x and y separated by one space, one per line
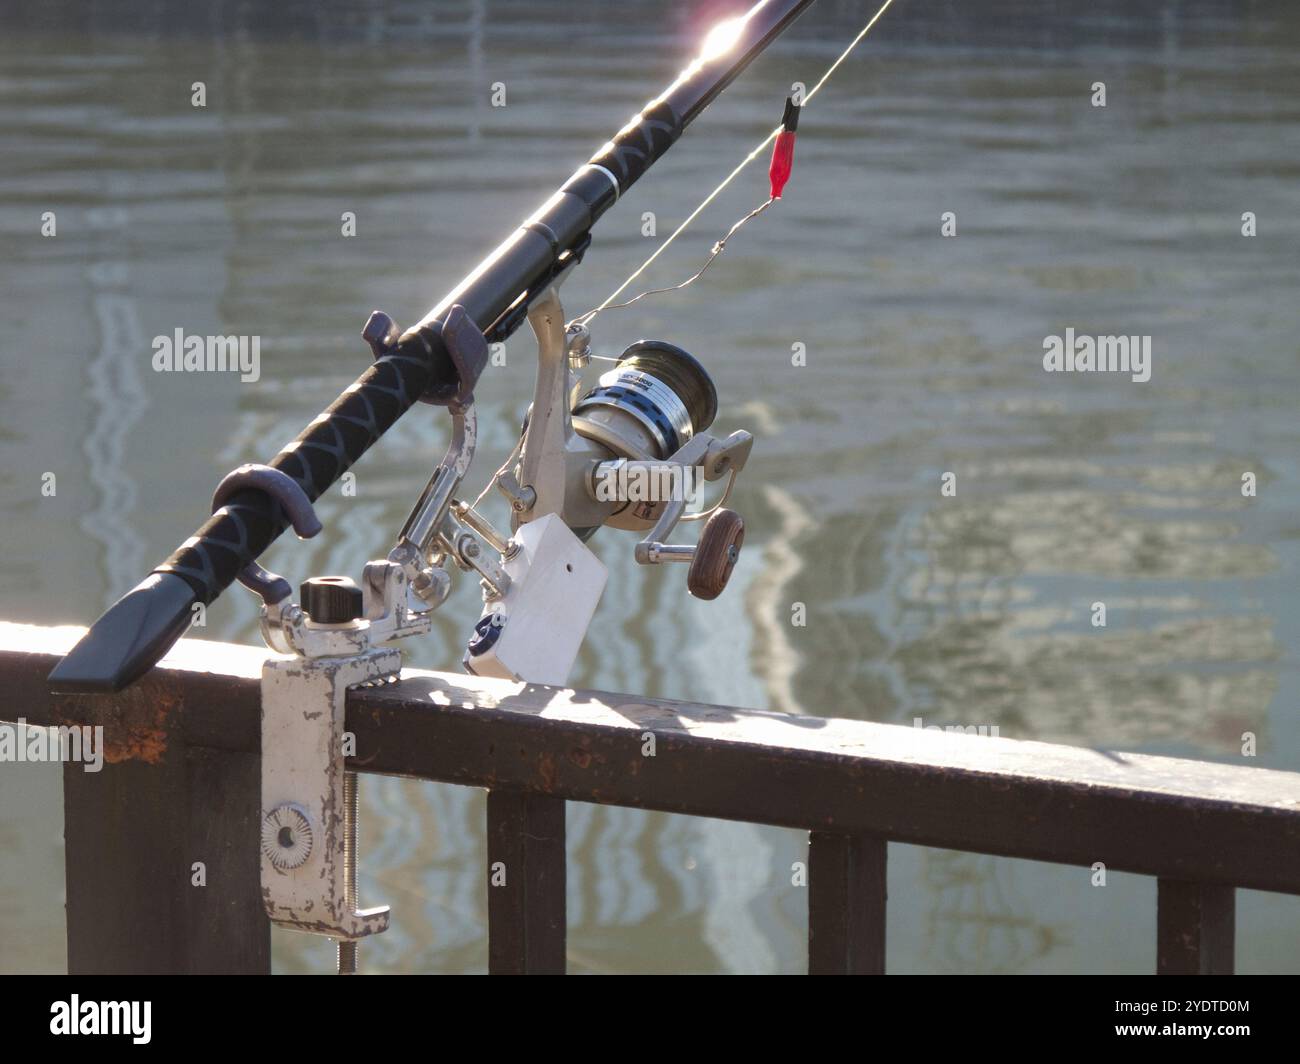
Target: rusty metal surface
1168 817
139 722
162 873
161 859
1150 815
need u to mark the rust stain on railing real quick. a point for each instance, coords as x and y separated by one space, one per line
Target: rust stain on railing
137 727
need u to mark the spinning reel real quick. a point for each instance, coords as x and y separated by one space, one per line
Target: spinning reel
629 453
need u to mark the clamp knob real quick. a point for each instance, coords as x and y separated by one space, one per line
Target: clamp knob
331 599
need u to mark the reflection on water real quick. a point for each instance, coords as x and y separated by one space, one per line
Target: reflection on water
978 920
923 358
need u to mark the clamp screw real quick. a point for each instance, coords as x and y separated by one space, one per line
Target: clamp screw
331 599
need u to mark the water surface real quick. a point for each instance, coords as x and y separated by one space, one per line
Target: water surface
923 357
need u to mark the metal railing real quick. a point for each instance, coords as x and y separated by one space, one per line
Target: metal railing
182 778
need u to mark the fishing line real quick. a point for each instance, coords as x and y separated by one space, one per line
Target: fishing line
781 162
717 250
609 303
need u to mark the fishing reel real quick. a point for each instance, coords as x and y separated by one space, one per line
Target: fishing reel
632 452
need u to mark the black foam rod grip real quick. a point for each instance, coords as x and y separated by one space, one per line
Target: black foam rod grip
123 644
242 529
144 623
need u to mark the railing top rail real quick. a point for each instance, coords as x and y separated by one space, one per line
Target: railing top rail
1162 816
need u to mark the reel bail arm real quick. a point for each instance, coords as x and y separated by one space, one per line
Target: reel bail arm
714 557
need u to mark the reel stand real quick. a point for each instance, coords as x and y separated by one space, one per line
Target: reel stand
645 422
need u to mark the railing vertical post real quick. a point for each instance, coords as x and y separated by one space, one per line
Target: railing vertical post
162 866
1195 928
526 884
846 903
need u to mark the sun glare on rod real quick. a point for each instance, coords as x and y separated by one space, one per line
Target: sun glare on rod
722 38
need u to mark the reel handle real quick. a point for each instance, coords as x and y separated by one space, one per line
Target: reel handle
716 554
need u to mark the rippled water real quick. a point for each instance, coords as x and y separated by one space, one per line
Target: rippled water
923 357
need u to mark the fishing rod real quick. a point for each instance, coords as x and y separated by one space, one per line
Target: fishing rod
629 452
437 361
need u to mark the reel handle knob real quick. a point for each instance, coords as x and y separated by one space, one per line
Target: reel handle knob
716 555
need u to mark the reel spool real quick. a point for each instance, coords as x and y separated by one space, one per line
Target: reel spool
655 400
655 408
